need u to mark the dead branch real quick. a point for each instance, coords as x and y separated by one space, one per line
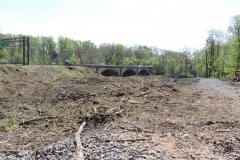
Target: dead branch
107 114
5 141
149 157
143 93
26 146
223 130
94 101
115 84
129 129
36 119
123 140
172 103
119 112
95 110
110 110
78 142
138 127
133 102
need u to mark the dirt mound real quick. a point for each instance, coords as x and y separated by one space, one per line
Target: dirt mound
42 73
174 117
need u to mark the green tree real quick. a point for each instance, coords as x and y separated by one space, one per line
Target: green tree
3 54
89 52
234 29
120 51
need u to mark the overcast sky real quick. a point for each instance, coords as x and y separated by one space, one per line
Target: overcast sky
166 24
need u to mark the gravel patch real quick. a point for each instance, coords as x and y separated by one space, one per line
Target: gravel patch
218 86
96 146
20 155
120 150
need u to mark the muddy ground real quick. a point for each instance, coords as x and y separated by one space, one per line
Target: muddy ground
186 118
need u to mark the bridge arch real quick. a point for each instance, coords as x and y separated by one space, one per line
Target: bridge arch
110 72
129 72
144 72
124 71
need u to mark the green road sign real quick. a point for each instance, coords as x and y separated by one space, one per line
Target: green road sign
4 43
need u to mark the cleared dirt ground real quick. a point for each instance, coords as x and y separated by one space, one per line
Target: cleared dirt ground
186 118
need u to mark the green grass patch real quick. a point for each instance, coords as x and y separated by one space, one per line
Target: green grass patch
8 123
66 72
55 78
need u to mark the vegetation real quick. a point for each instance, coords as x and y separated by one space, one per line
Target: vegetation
219 58
8 123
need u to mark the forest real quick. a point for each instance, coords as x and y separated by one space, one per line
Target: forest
219 58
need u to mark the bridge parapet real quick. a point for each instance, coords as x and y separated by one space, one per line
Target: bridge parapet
120 70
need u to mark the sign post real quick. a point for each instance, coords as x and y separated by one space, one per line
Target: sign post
24 46
24 41
28 47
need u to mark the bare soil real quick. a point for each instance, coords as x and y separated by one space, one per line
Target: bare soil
186 118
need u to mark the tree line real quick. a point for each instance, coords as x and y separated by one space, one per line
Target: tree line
220 57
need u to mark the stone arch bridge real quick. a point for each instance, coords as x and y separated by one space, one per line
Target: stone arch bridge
123 71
